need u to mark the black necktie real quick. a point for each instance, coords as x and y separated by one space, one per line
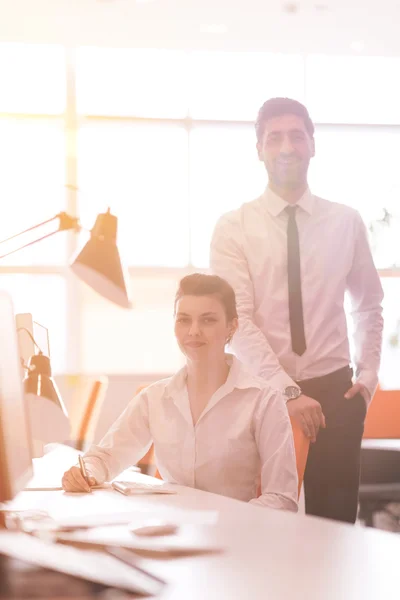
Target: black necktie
294 284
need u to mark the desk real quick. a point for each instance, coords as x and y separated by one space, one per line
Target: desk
380 477
380 461
381 444
268 554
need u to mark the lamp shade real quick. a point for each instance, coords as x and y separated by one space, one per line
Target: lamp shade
39 381
99 265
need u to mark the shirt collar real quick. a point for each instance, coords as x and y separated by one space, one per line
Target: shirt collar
276 205
238 377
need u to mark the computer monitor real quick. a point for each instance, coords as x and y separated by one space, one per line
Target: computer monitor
15 439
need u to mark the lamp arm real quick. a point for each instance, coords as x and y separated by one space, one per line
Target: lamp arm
66 222
29 244
29 229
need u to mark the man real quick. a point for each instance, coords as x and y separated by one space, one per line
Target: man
291 256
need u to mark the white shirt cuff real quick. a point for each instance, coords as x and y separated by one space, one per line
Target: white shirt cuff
370 380
95 469
281 381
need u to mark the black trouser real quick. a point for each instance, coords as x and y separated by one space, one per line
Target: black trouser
332 474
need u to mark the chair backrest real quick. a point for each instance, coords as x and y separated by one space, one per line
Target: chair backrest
301 446
85 407
48 423
146 463
383 416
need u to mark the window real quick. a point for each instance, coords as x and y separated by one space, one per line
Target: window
224 173
141 172
356 166
32 187
165 138
353 89
32 79
234 85
132 82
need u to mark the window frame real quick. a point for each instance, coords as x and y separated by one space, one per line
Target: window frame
71 121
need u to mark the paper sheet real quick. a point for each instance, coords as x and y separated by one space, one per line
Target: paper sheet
189 539
139 515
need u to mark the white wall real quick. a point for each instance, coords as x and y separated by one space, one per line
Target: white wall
121 388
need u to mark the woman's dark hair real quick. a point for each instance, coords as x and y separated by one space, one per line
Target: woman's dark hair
199 284
277 107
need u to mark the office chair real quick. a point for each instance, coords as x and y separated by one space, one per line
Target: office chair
146 463
301 447
85 407
383 416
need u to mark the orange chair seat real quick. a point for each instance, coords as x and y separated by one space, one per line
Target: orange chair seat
383 416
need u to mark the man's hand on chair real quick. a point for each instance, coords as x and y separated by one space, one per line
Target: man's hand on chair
308 413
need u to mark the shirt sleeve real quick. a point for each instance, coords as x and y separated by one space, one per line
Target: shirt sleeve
274 438
228 260
366 294
127 440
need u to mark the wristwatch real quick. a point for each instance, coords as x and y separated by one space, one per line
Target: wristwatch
292 392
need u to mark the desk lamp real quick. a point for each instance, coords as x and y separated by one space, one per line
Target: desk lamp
38 379
98 264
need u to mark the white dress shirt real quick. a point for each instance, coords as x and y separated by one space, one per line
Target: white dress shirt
249 249
243 432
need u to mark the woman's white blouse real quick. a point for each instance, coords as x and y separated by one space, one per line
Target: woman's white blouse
243 432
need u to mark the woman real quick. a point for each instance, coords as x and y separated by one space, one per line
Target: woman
214 426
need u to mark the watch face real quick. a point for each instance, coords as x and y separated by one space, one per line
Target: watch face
292 392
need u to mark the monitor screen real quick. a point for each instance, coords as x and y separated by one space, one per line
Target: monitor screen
15 438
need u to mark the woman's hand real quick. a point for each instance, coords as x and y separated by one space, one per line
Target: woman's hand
73 481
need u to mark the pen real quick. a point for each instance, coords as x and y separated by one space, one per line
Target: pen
83 471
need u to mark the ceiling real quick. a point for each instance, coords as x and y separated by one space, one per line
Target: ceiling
367 27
